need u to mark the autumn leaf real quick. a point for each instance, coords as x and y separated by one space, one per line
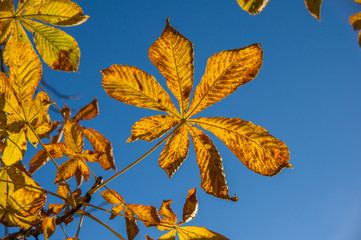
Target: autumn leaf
314 7
89 111
59 50
26 118
21 198
49 226
355 21
172 54
253 6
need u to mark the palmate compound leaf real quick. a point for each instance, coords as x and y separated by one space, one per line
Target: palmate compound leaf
225 72
59 50
21 198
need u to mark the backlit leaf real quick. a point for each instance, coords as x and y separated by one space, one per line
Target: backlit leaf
252 144
355 21
5 29
314 7
41 157
68 170
103 145
57 12
133 86
168 216
190 208
7 8
89 111
73 136
253 6
112 197
56 208
210 164
225 72
151 128
200 233
14 148
148 214
116 210
148 238
18 33
172 54
49 226
168 236
131 224
175 151
59 50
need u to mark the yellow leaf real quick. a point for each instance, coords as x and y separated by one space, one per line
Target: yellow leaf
18 33
116 210
56 208
103 145
63 190
148 214
57 12
14 148
26 4
7 8
68 170
91 156
172 54
190 208
168 236
25 70
112 197
73 136
133 86
49 226
314 7
200 233
131 224
213 179
253 6
253 145
41 157
59 50
358 1
5 29
168 216
355 21
89 111
175 151
151 128
225 72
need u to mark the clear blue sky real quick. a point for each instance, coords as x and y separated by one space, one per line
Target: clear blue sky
307 94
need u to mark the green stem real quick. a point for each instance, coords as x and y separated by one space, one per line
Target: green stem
100 222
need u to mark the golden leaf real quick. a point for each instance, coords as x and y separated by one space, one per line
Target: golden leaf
49 226
112 197
41 157
116 210
74 136
148 214
14 148
168 236
190 208
103 145
188 233
175 151
168 216
63 190
252 144
355 21
68 170
210 164
89 111
151 128
133 86
56 208
172 54
131 224
314 7
225 72
253 6
148 238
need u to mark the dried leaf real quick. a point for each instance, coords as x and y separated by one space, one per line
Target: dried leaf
172 54
200 233
314 7
41 157
112 197
56 208
68 169
103 145
210 164
148 214
89 111
151 128
74 136
168 216
253 6
133 86
355 21
131 224
190 208
175 151
148 238
252 144
116 210
49 226
225 72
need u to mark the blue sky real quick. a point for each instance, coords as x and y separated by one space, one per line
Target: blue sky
306 94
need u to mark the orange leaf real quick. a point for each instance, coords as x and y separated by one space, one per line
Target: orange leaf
133 86
253 145
73 136
225 72
112 197
210 163
41 157
188 233
168 236
49 226
190 208
172 54
168 216
131 224
314 7
56 208
63 190
68 169
116 210
148 214
148 238
175 151
89 111
103 145
151 128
